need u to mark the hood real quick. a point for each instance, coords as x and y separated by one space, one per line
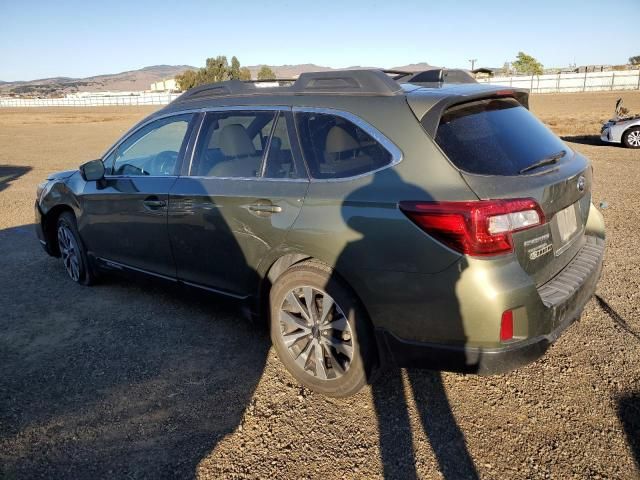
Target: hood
61 175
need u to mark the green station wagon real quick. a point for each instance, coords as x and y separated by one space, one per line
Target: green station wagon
371 219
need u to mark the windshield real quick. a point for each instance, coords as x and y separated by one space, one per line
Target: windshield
495 137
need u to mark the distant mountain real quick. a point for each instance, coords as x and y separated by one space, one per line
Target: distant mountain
136 80
132 80
414 67
293 71
289 71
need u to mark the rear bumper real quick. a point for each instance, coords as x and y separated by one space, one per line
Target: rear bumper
564 298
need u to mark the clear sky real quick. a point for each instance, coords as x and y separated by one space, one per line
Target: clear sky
77 39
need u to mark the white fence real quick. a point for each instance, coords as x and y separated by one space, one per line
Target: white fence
133 100
572 82
562 82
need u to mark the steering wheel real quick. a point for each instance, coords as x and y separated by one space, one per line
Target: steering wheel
163 163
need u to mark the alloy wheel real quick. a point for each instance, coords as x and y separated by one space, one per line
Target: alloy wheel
634 138
316 333
69 252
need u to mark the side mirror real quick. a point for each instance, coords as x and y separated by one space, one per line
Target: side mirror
92 171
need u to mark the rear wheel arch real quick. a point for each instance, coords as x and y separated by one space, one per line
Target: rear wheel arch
335 286
277 268
287 261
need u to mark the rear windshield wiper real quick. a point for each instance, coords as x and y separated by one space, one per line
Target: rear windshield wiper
551 159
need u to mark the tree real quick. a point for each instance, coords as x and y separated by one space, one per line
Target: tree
245 73
216 70
186 80
635 60
265 73
234 72
527 65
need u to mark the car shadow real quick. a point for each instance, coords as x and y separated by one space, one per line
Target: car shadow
127 379
10 173
629 414
137 378
593 140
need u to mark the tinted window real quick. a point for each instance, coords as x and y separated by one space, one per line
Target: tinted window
336 148
152 150
280 158
495 137
232 144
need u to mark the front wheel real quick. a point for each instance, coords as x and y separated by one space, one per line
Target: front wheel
631 138
72 252
320 331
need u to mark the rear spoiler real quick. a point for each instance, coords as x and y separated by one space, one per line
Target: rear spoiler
430 118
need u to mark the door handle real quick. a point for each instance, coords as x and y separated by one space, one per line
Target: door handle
155 203
265 208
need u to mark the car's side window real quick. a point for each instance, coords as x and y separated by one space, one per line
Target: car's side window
281 161
334 147
153 149
232 144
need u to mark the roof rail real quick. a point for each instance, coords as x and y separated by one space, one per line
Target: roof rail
368 82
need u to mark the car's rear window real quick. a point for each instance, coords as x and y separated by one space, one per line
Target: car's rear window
334 147
495 137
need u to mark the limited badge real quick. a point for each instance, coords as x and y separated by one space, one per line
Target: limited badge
540 251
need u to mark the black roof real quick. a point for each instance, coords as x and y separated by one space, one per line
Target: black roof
372 84
360 82
341 82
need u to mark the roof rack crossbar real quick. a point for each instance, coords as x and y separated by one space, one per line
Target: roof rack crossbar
339 82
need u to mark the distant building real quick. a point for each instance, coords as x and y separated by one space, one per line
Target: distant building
168 85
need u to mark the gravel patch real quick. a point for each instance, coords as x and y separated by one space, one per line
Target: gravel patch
139 379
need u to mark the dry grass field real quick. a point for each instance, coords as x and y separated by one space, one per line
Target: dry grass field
134 379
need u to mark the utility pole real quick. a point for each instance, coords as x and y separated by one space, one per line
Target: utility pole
473 62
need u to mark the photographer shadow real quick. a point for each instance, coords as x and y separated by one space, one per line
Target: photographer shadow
391 394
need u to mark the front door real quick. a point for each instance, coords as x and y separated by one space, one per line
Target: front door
244 190
124 216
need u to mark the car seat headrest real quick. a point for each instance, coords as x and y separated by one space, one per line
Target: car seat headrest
339 140
235 141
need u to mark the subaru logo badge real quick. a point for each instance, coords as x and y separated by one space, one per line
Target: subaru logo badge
581 183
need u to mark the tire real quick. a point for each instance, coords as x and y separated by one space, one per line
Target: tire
72 251
631 138
333 354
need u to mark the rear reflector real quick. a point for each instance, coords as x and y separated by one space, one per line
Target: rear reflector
477 228
506 326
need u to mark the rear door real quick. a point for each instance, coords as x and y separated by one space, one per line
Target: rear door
124 217
243 191
503 151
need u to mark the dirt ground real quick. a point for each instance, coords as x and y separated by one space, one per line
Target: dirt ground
132 378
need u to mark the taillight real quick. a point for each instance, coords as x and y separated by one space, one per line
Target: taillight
477 228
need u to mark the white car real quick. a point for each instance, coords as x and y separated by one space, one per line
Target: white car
622 128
